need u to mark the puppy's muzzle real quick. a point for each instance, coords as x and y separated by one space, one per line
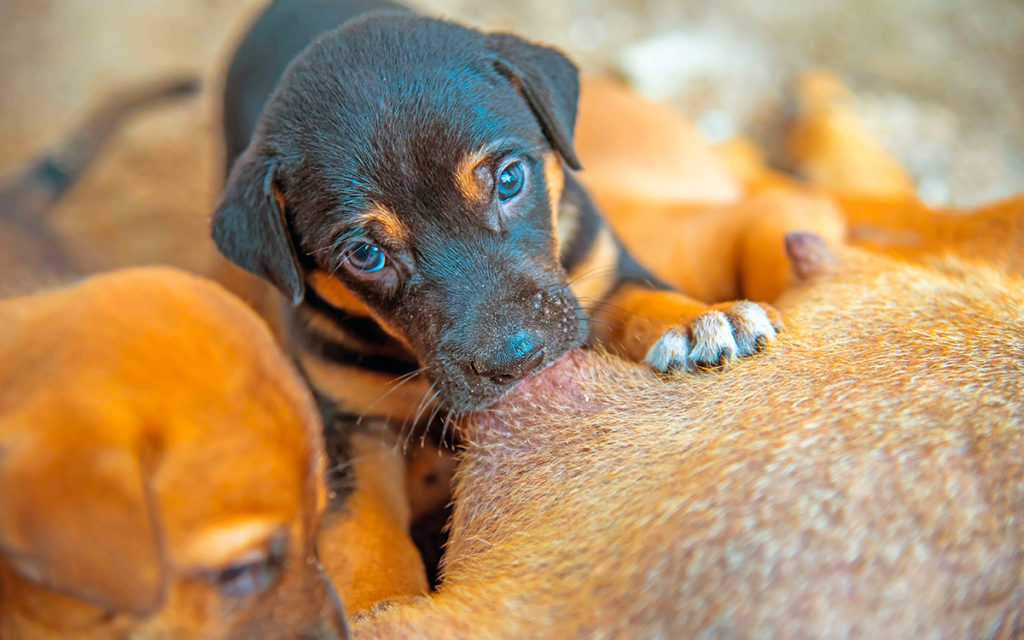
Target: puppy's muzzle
513 359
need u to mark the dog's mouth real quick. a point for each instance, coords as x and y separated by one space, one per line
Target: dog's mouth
479 379
563 383
465 394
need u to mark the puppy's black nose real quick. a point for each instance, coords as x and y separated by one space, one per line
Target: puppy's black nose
518 356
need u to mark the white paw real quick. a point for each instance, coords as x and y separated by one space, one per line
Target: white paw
713 339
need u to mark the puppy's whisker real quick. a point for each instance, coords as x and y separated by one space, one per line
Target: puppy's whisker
331 247
422 407
429 421
591 274
600 303
598 321
405 376
350 462
398 383
444 427
409 424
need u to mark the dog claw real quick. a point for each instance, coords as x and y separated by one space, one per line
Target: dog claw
752 328
713 340
670 352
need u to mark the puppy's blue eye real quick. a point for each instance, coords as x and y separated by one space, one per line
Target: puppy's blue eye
367 258
510 181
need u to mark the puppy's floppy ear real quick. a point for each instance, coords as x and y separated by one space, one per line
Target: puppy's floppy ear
550 83
78 519
250 227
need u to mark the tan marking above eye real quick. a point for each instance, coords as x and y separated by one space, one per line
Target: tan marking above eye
386 220
469 180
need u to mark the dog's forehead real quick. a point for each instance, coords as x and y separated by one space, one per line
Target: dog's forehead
387 110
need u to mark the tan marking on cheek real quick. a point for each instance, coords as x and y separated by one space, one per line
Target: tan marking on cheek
386 220
566 225
278 198
335 292
367 392
472 188
595 276
393 331
554 177
323 325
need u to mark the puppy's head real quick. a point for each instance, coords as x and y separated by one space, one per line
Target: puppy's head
159 468
410 169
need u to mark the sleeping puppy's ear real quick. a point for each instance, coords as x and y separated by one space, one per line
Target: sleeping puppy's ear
80 520
550 83
250 227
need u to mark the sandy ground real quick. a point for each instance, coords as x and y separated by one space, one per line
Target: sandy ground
940 81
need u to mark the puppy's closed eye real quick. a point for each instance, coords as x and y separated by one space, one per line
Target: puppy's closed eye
247 577
252 573
249 571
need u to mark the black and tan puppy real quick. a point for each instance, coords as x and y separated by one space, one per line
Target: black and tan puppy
405 186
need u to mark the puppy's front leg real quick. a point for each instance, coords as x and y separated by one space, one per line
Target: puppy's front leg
670 331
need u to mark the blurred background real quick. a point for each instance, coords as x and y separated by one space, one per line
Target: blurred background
940 82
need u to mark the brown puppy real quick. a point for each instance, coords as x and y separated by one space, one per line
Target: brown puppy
830 146
715 233
864 479
733 236
160 468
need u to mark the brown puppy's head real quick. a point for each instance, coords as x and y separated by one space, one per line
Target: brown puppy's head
409 170
159 468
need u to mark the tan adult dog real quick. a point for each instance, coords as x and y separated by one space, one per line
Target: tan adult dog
865 478
160 468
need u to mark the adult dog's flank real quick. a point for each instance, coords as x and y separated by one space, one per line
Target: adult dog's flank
405 186
865 480
160 468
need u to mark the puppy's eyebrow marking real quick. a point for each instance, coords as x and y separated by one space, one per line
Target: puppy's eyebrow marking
387 219
472 186
473 179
